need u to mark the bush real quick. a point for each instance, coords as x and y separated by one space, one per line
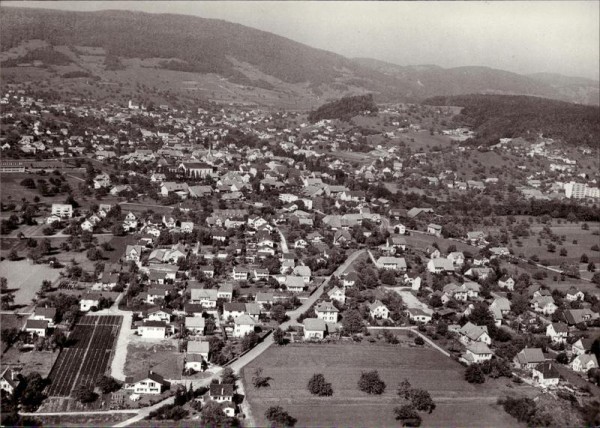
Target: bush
370 383
474 374
277 415
421 400
85 394
169 412
317 385
408 415
419 341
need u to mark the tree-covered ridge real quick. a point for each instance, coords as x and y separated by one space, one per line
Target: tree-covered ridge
510 116
344 108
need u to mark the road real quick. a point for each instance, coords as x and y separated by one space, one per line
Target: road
284 245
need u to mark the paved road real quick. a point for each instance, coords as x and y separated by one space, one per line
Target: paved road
284 245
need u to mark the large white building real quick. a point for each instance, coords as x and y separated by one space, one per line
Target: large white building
581 190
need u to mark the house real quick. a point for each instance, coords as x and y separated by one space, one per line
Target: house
434 229
477 352
130 222
314 328
479 272
168 187
378 310
243 325
457 258
433 252
440 266
153 383
476 238
157 292
455 291
221 392
545 374
341 238
394 244
36 327
414 280
158 314
506 282
474 333
502 304
62 210
583 346
153 329
499 252
472 289
327 312
574 294
206 297
558 332
45 314
240 273
200 348
578 316
264 299
337 294
418 315
187 226
195 325
88 301
349 279
195 362
295 284
133 253
528 358
9 380
304 272
391 263
582 363
233 310
225 292
544 305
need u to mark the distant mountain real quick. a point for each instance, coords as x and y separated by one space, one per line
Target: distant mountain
222 59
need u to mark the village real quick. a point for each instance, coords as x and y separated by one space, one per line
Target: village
184 242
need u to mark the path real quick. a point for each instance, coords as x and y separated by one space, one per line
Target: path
117 364
372 258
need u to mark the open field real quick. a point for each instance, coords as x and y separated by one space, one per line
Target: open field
88 358
27 278
458 402
143 355
31 361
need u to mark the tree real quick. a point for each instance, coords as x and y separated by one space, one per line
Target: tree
260 381
317 385
370 383
213 416
419 341
108 384
474 374
33 395
596 278
278 313
352 322
562 358
421 400
279 417
551 248
249 341
279 336
85 394
228 376
408 416
584 258
563 252
591 267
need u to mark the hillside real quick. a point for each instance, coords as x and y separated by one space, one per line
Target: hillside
228 62
503 116
344 109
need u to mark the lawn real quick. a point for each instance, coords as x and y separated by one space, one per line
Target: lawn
161 356
458 402
32 361
26 278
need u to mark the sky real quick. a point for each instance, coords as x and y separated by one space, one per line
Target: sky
524 37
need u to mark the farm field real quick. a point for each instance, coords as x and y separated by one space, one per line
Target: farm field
26 278
458 402
108 419
88 358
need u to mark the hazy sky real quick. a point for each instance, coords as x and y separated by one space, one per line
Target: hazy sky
525 37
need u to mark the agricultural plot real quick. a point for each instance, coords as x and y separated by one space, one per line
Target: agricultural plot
458 402
88 358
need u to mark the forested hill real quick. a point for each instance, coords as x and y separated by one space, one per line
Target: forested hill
507 116
344 109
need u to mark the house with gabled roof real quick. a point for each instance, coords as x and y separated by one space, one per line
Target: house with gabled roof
578 316
314 328
9 380
327 312
378 310
573 294
528 358
474 333
434 229
418 315
507 282
584 362
195 325
477 352
558 332
545 374
152 383
440 266
337 294
36 327
544 305
583 346
295 284
243 325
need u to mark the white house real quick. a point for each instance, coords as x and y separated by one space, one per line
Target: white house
243 325
195 325
36 327
327 312
337 294
88 301
470 333
434 229
314 328
153 383
582 363
392 263
9 380
378 310
545 374
558 332
440 265
418 315
153 329
477 352
506 282
62 210
574 294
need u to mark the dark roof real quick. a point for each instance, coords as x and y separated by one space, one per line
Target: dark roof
37 324
221 390
548 370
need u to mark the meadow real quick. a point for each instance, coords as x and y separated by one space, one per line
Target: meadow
26 278
458 402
